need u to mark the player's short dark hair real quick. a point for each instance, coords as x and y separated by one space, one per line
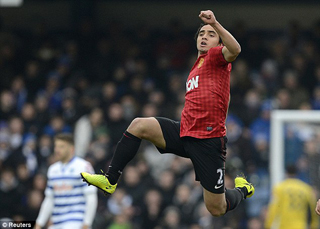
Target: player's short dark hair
291 169
66 137
198 31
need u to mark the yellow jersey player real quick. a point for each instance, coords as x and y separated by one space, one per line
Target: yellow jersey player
292 204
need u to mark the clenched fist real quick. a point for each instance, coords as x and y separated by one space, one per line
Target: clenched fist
207 17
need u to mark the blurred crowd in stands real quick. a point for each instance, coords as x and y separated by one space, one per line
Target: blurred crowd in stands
92 82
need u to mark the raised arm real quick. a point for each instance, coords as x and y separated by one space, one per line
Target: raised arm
231 47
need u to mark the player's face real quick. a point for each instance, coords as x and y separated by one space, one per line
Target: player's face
207 38
63 150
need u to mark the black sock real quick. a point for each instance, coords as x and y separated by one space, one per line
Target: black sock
125 151
244 191
233 198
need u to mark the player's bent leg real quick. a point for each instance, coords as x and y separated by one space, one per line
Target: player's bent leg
140 128
148 129
215 203
219 204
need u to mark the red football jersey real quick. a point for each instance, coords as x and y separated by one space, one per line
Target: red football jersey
207 96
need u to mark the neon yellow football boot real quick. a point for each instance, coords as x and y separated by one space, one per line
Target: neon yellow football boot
241 182
100 181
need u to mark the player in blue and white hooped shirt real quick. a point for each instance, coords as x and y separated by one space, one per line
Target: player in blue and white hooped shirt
69 202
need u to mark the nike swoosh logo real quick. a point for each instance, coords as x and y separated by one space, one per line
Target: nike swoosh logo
217 187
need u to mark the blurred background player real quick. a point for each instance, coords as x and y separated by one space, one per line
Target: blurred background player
292 204
69 202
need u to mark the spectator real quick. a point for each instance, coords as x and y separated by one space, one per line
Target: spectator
202 217
167 186
260 127
10 195
70 111
87 130
33 78
34 200
7 105
24 177
20 92
28 115
109 93
298 94
44 150
152 209
39 182
171 219
119 202
42 112
132 181
55 126
116 122
16 129
52 92
183 202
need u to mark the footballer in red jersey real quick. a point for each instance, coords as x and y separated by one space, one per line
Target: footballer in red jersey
207 96
201 133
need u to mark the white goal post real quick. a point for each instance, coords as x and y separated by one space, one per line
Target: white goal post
11 3
278 120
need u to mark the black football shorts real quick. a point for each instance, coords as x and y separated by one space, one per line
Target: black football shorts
207 155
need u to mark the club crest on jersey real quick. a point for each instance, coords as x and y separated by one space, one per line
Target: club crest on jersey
192 83
200 62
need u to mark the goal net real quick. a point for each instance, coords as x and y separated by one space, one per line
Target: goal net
295 139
